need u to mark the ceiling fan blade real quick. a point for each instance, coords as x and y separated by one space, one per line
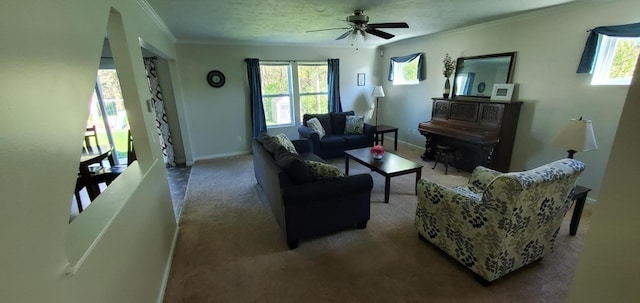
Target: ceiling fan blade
344 35
389 25
378 33
327 29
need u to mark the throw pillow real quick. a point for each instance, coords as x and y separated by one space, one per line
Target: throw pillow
325 120
354 125
315 125
283 140
293 165
323 170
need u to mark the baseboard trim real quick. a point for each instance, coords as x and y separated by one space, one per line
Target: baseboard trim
218 156
167 270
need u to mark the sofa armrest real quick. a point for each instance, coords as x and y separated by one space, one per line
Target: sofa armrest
369 130
302 145
327 189
307 133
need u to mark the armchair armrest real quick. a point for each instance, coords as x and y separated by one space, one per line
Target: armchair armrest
464 213
438 194
481 177
327 189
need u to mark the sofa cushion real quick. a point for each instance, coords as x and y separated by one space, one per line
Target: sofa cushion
283 140
333 142
356 141
338 121
293 165
325 120
354 125
323 171
315 125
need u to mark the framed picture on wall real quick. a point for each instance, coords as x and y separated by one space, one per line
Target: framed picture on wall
502 92
361 79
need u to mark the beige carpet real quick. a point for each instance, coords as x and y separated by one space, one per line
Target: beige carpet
230 249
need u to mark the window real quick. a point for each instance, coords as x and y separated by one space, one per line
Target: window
280 97
406 73
276 93
615 60
406 70
314 96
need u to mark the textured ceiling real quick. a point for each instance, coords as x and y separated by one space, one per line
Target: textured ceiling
286 21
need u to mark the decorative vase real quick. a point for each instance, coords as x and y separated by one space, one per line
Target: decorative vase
447 88
377 156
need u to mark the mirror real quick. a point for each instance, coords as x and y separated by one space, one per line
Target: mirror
475 76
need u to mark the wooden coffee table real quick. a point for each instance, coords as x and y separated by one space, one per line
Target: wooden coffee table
389 166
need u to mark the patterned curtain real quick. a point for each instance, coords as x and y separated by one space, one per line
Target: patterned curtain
162 123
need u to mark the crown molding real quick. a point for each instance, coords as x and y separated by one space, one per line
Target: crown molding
156 19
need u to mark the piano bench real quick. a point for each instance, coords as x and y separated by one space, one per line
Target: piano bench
447 155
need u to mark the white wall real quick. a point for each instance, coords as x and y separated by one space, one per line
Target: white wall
548 45
219 120
608 269
49 57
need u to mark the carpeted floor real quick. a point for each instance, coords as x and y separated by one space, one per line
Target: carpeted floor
230 249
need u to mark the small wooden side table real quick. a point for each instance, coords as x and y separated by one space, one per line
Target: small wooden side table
381 129
580 196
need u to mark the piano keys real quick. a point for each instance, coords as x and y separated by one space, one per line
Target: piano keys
483 131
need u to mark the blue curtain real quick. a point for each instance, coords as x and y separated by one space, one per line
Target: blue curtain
333 66
405 59
587 62
259 123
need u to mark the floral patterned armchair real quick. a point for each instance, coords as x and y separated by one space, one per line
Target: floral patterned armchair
498 222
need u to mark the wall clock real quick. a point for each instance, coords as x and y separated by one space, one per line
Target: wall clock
215 78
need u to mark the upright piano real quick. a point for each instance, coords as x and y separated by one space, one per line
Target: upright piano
482 131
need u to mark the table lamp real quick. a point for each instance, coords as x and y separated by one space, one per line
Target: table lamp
576 136
377 92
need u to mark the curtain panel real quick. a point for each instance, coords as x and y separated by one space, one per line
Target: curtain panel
333 66
587 61
405 59
258 120
162 122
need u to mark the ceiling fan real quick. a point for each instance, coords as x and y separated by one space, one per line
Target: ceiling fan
359 24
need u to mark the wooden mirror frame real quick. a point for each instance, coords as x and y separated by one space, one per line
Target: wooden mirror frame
460 62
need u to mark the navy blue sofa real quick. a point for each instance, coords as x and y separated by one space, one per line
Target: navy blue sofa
307 209
335 142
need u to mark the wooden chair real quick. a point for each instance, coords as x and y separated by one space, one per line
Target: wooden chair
131 151
89 134
108 174
95 172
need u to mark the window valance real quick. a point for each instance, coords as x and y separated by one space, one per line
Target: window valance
405 59
587 61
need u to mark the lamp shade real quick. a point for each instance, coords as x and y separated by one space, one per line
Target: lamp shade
576 135
377 91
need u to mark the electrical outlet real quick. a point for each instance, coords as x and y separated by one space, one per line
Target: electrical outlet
239 138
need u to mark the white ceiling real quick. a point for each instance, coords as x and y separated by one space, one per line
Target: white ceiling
286 21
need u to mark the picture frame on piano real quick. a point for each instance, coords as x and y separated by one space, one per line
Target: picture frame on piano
502 92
